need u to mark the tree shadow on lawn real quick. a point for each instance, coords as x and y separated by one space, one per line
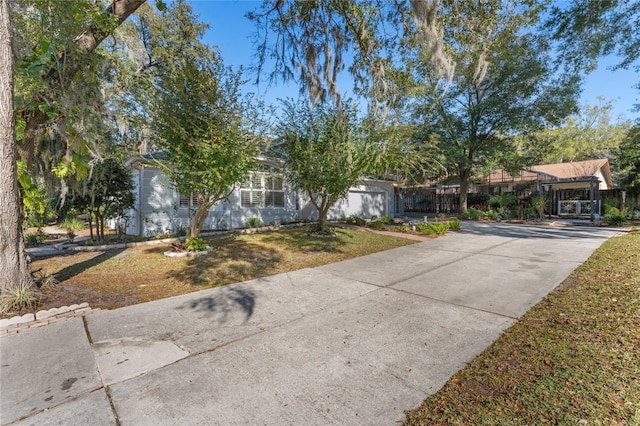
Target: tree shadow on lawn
231 261
77 268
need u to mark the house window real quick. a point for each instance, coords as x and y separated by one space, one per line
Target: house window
262 190
184 201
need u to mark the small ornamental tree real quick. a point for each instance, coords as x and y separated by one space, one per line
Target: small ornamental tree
325 151
108 194
199 117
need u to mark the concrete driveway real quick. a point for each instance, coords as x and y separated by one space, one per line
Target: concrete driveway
356 342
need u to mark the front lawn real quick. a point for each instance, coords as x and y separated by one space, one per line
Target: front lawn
121 277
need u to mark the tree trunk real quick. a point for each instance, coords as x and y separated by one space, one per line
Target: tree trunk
464 188
90 215
189 225
202 212
14 266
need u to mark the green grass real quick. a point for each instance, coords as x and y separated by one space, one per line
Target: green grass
572 359
18 297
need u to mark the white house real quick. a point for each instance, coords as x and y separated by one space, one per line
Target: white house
265 195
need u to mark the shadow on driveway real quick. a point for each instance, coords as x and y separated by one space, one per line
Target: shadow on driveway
225 304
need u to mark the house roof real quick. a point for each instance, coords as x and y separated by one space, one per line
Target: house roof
501 175
574 170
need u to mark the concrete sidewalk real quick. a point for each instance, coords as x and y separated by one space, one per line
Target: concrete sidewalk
356 342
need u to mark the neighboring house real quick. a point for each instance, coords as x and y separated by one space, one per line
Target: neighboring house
575 175
560 182
264 195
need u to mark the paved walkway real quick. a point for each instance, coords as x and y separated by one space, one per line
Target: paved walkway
355 342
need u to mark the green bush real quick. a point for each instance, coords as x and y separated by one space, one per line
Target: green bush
254 222
493 215
472 214
504 200
424 228
610 203
35 238
438 227
356 220
376 224
71 224
181 231
616 216
195 244
18 297
454 224
540 203
405 227
386 220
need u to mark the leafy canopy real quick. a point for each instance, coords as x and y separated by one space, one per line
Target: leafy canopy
325 151
198 114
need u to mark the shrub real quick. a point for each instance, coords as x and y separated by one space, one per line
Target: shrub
454 224
438 227
504 200
615 216
493 215
405 227
539 203
254 222
71 224
356 220
472 214
35 238
386 220
195 244
181 231
424 228
376 224
18 297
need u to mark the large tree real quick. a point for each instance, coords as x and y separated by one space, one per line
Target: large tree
588 135
48 69
503 85
586 30
199 116
14 267
312 42
627 159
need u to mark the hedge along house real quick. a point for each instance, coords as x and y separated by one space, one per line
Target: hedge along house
265 195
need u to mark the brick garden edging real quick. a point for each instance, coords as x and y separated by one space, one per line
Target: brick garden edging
17 324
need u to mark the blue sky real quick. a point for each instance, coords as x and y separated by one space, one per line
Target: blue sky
231 32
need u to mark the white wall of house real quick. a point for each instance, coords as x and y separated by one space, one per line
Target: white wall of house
266 196
603 182
370 198
159 209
